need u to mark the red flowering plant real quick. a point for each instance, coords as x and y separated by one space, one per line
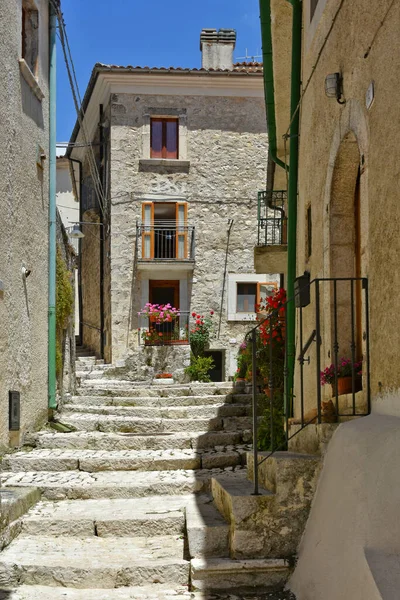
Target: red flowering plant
271 341
200 332
344 369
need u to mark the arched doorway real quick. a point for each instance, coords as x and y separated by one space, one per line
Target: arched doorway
345 246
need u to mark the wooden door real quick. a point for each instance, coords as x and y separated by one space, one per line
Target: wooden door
164 292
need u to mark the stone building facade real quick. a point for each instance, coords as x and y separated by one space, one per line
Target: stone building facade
203 197
347 227
24 193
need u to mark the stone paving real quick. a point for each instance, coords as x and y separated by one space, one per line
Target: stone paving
126 511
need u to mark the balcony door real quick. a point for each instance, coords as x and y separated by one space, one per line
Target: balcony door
164 230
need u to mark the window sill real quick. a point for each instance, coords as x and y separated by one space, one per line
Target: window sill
243 317
30 79
160 163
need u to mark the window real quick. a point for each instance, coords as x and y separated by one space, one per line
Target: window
165 230
164 138
30 35
246 297
264 291
313 6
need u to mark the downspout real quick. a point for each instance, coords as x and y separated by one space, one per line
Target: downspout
269 91
102 235
292 194
52 404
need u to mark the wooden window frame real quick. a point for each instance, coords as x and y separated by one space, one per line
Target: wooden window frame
259 284
164 121
181 230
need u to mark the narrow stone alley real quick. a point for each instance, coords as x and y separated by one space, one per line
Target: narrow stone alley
125 508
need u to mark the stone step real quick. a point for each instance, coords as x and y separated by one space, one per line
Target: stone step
155 591
109 423
88 360
240 576
93 461
288 475
148 401
97 440
119 484
90 374
108 387
90 368
93 562
13 504
167 412
207 530
126 517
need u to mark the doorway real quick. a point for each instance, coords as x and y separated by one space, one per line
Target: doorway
164 292
217 372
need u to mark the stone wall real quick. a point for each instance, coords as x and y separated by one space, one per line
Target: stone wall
227 149
23 225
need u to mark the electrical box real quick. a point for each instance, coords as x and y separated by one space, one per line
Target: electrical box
302 296
14 411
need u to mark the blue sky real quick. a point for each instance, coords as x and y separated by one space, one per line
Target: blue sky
146 33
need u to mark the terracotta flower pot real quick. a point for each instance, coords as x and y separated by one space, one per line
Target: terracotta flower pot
344 385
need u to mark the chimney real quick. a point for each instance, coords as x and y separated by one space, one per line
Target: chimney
217 48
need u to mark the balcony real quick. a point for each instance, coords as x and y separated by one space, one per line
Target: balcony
167 333
165 243
271 250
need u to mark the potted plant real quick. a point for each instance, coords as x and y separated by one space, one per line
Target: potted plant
165 317
344 375
200 333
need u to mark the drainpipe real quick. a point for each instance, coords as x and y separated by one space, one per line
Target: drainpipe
266 40
101 233
292 193
52 404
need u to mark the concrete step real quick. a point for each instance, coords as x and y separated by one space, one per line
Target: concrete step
93 562
97 440
166 412
149 401
155 591
93 461
240 576
119 484
126 424
127 517
207 530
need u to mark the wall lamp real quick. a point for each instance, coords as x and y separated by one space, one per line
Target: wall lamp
75 231
334 87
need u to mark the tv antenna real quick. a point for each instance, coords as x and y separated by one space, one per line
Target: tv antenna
247 57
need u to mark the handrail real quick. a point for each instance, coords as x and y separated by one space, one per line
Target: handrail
345 339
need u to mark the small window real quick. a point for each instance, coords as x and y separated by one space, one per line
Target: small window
164 138
246 297
264 291
313 6
309 233
30 35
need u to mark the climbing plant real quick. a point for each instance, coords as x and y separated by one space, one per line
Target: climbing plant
64 306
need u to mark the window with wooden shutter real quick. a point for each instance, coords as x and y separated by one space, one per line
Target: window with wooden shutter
164 138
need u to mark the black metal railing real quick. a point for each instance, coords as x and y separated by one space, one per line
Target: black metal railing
332 325
165 333
272 220
165 240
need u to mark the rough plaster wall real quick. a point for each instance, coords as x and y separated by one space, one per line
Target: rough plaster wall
90 273
23 225
324 123
227 149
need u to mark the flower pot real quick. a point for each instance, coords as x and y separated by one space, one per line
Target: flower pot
240 384
345 385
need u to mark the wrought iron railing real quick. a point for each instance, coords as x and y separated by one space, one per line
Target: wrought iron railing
332 322
272 220
166 333
166 241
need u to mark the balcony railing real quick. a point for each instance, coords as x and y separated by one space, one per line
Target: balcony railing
165 240
272 220
151 333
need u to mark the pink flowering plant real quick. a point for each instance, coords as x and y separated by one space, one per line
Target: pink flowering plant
158 314
344 369
200 332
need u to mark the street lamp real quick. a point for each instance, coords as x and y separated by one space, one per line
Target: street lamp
76 232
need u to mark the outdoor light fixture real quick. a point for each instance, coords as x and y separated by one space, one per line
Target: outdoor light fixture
76 232
334 87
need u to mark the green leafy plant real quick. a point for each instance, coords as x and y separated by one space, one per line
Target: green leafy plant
200 367
278 419
64 306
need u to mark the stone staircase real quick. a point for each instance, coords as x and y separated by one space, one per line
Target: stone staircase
147 497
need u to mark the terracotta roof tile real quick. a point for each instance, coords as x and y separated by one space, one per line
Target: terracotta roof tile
239 67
